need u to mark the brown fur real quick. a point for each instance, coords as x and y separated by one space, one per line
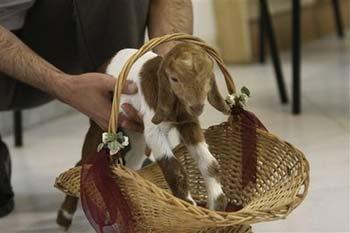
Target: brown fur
215 99
191 133
149 81
193 69
175 176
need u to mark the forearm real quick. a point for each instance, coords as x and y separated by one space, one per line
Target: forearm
20 62
169 16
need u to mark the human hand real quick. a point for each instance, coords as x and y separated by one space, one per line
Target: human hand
130 119
91 94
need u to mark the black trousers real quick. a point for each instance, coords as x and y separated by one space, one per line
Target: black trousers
76 36
22 95
14 95
6 192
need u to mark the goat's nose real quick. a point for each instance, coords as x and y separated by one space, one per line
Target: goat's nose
197 109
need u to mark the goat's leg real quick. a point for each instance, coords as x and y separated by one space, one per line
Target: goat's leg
67 210
172 169
193 137
69 205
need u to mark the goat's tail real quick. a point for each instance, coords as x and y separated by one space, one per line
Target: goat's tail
66 212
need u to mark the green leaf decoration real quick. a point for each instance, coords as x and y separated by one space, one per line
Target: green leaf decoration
112 145
119 145
246 91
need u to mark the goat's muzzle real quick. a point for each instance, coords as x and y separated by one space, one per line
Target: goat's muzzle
197 109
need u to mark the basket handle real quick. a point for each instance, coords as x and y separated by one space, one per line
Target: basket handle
112 127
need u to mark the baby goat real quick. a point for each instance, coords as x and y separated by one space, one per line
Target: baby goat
171 94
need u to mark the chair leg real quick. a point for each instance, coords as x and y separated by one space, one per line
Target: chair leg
274 51
338 18
261 36
18 130
296 57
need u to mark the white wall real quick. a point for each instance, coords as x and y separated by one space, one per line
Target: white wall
204 21
276 6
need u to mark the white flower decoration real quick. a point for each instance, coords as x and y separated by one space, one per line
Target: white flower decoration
126 141
114 142
240 99
105 137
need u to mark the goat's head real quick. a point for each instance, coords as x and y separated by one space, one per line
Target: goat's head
186 74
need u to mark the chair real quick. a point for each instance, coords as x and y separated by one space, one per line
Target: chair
266 29
18 128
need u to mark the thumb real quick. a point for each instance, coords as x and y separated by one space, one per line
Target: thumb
109 83
129 88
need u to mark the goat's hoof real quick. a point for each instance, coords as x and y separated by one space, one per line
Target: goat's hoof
190 200
219 204
64 219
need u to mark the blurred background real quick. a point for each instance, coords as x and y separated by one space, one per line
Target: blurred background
260 42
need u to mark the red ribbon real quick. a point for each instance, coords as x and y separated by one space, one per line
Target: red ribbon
102 200
249 123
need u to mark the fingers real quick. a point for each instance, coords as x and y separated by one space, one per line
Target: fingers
109 83
132 113
130 88
133 126
126 123
131 119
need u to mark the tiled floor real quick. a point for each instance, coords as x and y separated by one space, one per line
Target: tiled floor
322 132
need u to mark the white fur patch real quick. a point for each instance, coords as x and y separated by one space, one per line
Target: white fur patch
214 188
66 215
157 138
135 157
189 197
137 101
201 154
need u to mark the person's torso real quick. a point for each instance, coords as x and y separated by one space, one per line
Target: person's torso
80 35
13 13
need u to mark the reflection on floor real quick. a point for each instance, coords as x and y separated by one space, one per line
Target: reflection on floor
322 132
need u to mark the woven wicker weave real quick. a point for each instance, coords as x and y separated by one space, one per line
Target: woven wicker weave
280 185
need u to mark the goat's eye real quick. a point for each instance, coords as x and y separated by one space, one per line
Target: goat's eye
175 80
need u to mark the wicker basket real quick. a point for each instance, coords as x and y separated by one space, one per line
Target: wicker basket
278 181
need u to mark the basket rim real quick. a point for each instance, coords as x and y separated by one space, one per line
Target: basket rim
246 215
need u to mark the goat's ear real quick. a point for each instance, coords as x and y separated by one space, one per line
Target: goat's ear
215 98
166 98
